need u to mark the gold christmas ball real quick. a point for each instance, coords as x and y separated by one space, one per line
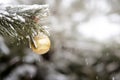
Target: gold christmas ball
42 43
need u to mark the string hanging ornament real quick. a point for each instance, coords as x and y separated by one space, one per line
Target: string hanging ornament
26 24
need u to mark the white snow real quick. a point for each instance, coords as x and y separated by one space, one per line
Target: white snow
17 17
99 6
0 15
21 18
22 70
4 12
78 16
5 1
99 28
29 7
8 2
115 18
8 19
66 3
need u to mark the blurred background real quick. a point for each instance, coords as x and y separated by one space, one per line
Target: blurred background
85 39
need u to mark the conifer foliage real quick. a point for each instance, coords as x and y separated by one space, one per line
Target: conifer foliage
19 23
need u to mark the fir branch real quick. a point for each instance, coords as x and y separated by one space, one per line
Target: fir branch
20 22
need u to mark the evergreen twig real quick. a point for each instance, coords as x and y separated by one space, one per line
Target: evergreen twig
21 22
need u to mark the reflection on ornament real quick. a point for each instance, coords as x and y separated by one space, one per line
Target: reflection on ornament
41 44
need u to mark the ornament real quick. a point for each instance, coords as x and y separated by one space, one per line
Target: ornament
40 44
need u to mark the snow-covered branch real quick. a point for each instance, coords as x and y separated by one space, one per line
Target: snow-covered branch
20 22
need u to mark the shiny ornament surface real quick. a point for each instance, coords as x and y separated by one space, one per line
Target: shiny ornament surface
41 45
